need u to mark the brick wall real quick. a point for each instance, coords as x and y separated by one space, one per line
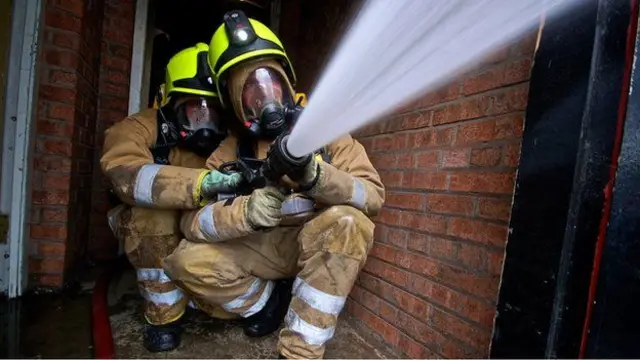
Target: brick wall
448 161
113 106
64 138
77 90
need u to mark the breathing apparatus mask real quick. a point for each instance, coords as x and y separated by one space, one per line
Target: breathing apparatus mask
199 125
263 100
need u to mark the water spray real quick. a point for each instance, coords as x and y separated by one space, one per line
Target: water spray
397 50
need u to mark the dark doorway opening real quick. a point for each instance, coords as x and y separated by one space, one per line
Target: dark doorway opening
184 23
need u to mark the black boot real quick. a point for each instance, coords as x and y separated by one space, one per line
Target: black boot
270 317
158 338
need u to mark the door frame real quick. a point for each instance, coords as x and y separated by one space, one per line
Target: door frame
17 151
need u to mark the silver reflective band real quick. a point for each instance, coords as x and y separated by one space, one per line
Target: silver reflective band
240 300
166 298
155 275
206 223
311 334
262 301
142 193
224 196
319 300
296 205
358 195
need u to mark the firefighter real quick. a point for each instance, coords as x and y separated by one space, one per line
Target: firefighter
319 232
155 161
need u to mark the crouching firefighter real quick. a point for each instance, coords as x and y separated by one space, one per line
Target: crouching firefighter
155 161
312 226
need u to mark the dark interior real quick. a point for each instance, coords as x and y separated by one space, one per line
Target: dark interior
191 22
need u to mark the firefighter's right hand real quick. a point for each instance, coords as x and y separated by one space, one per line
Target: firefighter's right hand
263 208
216 182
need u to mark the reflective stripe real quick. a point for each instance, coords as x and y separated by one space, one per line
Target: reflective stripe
358 195
207 224
319 300
262 301
223 196
142 193
311 334
296 205
240 300
166 298
155 275
251 291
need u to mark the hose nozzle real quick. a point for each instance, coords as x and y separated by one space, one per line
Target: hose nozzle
280 162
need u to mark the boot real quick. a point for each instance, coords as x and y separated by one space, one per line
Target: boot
158 338
271 316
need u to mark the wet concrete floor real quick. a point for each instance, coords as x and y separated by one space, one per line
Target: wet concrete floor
40 326
205 337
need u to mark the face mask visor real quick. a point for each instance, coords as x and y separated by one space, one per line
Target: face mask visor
200 113
264 87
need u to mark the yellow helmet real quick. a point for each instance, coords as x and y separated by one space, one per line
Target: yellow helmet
188 73
240 39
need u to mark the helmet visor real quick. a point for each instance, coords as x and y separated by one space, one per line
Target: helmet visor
201 113
263 86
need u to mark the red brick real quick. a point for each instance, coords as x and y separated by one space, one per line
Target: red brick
405 161
484 286
62 58
390 142
391 179
54 214
439 96
456 158
471 257
495 262
50 249
57 232
423 222
405 200
461 330
417 263
506 74
59 77
427 159
421 139
509 100
480 231
415 350
414 121
452 349
424 180
114 89
66 40
389 216
54 147
432 246
379 232
56 93
397 237
486 157
387 312
115 63
445 137
76 7
58 182
117 77
381 327
47 266
464 110
495 183
498 209
383 252
491 129
53 127
50 197
365 298
450 204
386 271
63 21
383 161
511 155
418 330
53 164
113 103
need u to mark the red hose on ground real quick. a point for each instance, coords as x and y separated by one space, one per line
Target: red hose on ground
101 327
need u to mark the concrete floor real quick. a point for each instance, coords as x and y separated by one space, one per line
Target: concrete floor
205 337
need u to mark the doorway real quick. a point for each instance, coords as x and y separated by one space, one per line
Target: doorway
171 28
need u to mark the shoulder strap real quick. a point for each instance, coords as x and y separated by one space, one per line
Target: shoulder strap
166 139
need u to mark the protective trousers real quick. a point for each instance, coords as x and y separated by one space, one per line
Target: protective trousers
326 253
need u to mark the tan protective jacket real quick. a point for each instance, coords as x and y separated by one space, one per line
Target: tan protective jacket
347 179
128 164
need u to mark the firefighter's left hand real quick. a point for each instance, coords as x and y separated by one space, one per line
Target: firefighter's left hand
216 182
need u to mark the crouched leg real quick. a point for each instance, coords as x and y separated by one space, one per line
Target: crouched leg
334 247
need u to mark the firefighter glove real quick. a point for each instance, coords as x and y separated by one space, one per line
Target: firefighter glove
216 182
263 208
